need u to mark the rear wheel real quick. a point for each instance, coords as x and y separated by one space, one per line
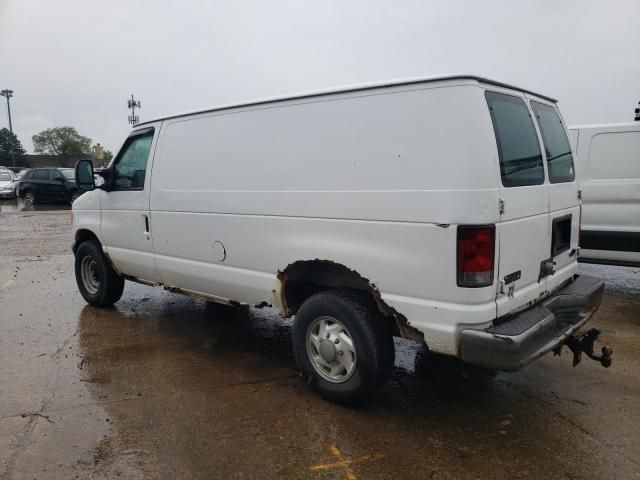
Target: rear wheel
29 199
343 346
97 281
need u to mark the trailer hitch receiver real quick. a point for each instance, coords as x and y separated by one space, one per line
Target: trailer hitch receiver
579 344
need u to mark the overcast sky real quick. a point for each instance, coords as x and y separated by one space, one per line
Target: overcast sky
75 62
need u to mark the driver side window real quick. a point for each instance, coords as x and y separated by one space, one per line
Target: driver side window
131 165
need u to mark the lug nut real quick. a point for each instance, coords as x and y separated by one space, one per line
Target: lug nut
336 341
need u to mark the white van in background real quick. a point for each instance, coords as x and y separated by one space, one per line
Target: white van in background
444 210
608 167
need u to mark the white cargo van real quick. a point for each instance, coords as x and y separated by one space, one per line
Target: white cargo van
608 167
444 210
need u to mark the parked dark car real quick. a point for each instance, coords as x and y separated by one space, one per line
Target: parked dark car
53 185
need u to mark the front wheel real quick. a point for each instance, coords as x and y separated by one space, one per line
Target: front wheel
97 281
343 346
29 199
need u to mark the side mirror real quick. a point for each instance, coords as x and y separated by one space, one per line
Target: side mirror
84 175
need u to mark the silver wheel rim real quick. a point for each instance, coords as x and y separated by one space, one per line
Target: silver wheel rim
89 274
331 349
28 199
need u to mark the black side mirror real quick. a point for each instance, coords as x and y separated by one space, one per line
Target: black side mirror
84 175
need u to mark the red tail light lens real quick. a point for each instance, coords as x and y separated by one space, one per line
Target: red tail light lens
476 253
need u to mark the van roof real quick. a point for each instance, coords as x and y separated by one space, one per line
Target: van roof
352 88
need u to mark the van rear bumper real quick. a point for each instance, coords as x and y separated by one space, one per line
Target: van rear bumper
513 341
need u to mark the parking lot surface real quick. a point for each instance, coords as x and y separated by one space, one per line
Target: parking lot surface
166 386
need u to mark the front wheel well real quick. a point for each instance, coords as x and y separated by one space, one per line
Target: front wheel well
82 236
304 278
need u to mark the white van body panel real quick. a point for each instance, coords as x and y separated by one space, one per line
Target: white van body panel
608 163
86 213
270 214
376 179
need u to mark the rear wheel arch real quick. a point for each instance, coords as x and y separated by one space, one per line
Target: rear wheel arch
304 278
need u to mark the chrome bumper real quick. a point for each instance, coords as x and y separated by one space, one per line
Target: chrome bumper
513 341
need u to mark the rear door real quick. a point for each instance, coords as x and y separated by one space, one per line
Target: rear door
41 184
564 204
523 230
57 185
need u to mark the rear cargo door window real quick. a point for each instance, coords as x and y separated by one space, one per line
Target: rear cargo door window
517 141
556 143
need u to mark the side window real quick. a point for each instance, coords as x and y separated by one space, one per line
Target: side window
53 175
41 175
518 147
556 143
130 167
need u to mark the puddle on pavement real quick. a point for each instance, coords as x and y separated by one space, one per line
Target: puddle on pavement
196 386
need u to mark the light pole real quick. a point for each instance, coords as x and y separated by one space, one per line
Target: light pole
6 93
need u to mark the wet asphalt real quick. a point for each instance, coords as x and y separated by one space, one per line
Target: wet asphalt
165 386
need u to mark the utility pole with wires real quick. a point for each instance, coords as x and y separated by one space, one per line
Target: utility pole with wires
132 104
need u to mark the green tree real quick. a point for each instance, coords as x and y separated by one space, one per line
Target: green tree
9 144
64 142
107 156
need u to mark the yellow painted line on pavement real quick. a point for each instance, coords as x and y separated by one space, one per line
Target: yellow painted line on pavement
344 463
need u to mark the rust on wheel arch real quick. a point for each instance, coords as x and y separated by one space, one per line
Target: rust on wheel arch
337 275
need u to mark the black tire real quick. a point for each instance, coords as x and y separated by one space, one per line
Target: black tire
372 339
105 286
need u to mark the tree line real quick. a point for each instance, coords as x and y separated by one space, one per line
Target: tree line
62 142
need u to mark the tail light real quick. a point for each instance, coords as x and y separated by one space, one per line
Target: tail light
476 254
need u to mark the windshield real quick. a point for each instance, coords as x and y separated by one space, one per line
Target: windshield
70 173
